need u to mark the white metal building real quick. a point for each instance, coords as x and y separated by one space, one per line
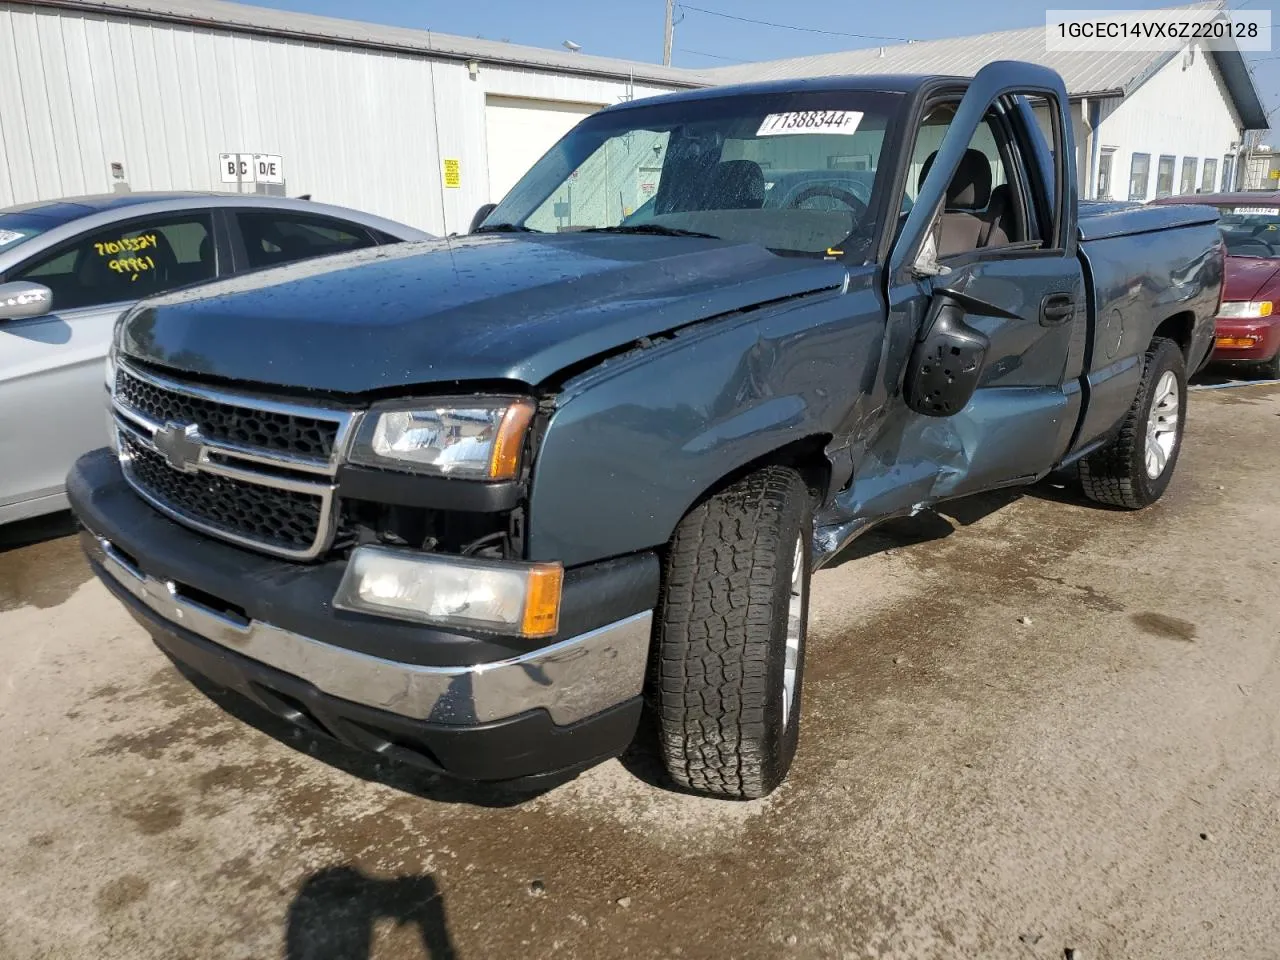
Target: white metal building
1146 124
416 126
101 95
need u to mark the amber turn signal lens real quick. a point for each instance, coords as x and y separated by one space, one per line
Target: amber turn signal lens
1237 342
542 601
504 462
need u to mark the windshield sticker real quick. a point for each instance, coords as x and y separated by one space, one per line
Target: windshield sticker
8 236
1257 211
811 121
125 245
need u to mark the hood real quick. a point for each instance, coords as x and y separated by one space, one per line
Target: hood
488 307
1245 278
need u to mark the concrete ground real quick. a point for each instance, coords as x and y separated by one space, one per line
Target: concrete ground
1031 726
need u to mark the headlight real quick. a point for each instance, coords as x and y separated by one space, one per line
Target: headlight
512 598
1246 310
470 437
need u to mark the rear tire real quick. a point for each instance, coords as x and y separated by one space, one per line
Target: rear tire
730 639
1134 470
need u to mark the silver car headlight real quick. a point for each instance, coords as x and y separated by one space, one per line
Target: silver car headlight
476 438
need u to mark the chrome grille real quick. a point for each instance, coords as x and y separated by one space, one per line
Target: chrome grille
302 436
257 472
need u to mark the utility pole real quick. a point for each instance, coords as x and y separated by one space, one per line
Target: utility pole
669 34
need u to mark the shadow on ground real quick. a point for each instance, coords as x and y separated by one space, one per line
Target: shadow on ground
23 533
334 913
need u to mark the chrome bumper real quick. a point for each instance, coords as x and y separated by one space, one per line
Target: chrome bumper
571 680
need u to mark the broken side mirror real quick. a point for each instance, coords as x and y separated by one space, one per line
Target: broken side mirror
481 215
946 362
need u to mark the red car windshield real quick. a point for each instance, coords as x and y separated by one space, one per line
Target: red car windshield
1251 231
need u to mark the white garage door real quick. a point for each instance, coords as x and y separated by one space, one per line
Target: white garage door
520 131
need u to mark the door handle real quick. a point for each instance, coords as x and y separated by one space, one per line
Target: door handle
1056 309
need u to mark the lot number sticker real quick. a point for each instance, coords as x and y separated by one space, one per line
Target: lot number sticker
1258 211
811 121
8 236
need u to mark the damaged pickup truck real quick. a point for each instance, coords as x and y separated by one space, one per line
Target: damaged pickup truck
472 503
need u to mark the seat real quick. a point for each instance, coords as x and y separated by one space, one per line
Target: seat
1001 223
736 185
961 228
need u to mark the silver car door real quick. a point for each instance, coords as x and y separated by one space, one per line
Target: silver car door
51 403
52 396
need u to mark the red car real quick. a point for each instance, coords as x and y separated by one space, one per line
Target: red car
1248 324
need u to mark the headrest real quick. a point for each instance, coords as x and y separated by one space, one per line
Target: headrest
970 188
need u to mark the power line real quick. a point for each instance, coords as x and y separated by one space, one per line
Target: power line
788 26
713 56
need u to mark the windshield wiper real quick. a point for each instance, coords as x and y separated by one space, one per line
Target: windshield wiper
506 228
652 228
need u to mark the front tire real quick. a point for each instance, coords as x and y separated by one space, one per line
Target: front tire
1134 470
730 643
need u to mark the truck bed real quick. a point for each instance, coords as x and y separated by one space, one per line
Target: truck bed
1148 265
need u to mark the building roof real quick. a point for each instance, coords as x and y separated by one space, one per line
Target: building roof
245 18
1086 74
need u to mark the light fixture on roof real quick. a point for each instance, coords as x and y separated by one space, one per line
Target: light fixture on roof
473 68
571 46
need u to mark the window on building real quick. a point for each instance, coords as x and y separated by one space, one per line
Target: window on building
1210 175
1104 172
1188 184
1228 174
1164 177
271 237
1139 176
127 261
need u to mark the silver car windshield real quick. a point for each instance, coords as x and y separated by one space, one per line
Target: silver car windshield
16 228
795 173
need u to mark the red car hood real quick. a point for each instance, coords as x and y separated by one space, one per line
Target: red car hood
1247 277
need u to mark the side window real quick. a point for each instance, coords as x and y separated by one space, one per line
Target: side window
272 238
1188 184
1139 176
1210 176
1164 177
984 204
127 261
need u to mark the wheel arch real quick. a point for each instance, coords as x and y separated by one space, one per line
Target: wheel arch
1180 328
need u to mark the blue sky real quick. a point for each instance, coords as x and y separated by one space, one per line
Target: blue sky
634 29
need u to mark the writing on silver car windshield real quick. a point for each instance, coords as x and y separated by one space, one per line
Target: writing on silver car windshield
794 174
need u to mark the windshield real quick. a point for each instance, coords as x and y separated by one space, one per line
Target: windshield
16 228
795 173
1250 231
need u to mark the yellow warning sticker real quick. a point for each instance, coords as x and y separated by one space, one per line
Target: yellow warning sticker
452 173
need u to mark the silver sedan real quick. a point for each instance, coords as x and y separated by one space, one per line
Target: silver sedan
70 268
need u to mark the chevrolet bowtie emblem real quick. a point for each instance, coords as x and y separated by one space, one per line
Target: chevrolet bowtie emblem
179 445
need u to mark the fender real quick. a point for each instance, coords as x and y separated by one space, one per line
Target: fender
633 444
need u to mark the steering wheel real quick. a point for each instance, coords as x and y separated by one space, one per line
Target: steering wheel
838 194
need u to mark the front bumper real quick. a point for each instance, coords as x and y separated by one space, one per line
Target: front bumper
1264 334
473 706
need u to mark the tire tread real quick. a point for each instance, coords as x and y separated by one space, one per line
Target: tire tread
716 628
